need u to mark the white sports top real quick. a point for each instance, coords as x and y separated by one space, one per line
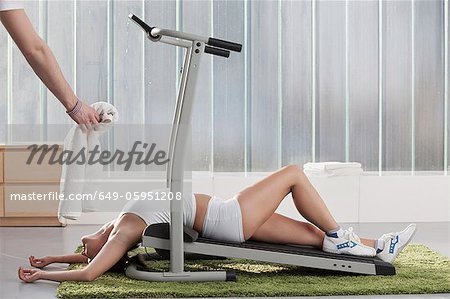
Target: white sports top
10 4
143 209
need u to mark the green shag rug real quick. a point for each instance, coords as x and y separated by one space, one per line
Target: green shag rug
419 271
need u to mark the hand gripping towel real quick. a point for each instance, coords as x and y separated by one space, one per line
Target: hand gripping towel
78 178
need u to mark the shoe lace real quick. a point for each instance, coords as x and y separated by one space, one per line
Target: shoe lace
388 236
351 236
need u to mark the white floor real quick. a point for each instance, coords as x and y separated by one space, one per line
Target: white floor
16 244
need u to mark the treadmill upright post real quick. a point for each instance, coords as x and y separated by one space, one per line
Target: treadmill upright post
177 155
177 151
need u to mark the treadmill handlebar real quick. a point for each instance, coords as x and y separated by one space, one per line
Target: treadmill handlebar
140 23
217 51
219 47
219 43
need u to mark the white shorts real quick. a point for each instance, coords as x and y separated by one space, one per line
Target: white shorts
143 209
223 220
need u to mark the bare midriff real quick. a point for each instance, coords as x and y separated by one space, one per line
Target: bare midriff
201 201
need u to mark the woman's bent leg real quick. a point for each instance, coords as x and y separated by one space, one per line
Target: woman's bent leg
259 201
284 230
309 203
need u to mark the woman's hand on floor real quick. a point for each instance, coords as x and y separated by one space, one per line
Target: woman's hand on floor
29 275
39 263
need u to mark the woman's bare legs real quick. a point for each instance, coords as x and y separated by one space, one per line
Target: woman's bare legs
285 230
259 202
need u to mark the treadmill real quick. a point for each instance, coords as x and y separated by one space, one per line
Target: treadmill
174 239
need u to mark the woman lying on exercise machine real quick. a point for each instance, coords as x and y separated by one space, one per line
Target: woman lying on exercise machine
250 214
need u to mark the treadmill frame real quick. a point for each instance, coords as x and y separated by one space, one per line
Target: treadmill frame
195 46
282 254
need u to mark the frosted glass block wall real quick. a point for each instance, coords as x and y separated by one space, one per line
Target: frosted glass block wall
362 81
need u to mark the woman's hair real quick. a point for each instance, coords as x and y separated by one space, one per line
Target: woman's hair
123 263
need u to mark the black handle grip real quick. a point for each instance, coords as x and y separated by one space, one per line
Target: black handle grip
141 23
224 44
215 51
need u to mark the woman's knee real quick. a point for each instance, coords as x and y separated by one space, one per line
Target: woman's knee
314 230
317 235
294 171
128 229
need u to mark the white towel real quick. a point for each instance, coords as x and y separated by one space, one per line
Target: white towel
83 178
331 165
333 168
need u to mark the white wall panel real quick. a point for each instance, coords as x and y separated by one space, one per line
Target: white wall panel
350 199
26 106
429 84
397 93
446 39
160 70
419 198
363 83
254 112
337 193
330 85
126 69
92 50
128 64
341 195
196 18
60 38
202 182
160 66
229 89
264 102
227 185
296 82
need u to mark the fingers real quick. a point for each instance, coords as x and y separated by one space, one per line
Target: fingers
92 113
32 261
27 271
95 117
87 116
27 275
21 274
36 262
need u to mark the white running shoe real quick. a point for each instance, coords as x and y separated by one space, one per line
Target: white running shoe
347 243
395 242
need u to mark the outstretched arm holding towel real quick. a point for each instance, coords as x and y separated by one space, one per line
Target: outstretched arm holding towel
43 62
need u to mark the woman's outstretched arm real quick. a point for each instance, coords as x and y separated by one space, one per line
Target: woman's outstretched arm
69 258
126 233
50 259
110 254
